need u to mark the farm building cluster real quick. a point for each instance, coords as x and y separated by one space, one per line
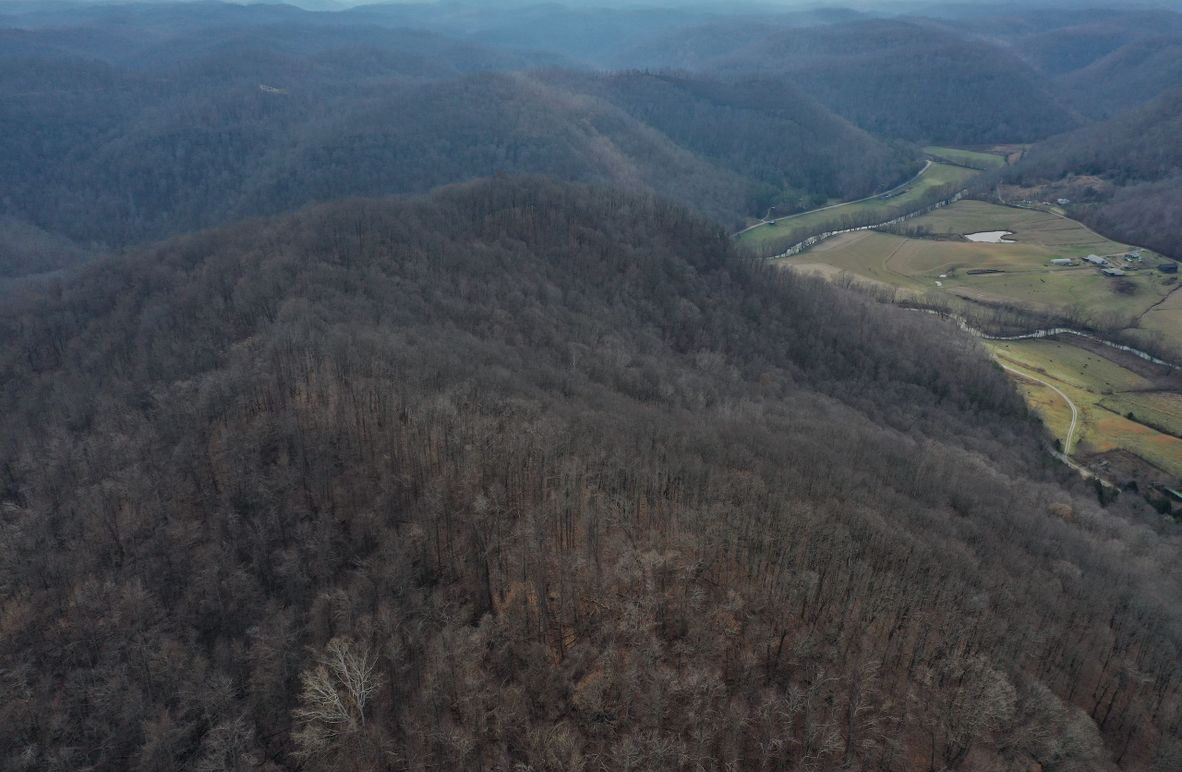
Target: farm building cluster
1114 266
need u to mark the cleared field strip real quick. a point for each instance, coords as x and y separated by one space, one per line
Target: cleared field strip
1165 319
784 231
1028 226
1019 273
972 158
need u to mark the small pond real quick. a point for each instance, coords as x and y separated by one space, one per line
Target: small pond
991 237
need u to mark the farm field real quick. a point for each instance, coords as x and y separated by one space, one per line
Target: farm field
1029 226
785 231
1017 272
1165 319
1104 392
1161 410
970 157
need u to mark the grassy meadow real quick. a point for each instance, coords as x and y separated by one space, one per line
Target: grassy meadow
973 158
1104 392
787 230
1017 272
1020 274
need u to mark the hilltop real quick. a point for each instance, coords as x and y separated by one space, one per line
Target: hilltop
527 473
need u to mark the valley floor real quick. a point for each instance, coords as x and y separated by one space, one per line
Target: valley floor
1130 412
785 231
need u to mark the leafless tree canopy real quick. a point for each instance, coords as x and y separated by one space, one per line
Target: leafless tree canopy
535 476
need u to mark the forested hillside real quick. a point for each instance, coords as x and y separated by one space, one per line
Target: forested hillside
1130 76
107 145
762 128
910 79
1101 61
1123 175
543 476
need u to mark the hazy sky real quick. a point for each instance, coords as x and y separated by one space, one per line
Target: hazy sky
719 5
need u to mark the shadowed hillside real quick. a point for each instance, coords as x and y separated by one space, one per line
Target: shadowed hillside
1124 176
914 80
1130 76
186 132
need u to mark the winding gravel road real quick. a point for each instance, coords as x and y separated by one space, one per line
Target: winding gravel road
1070 441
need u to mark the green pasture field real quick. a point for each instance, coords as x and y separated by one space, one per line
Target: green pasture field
1070 366
1095 385
1159 409
1164 321
1029 226
1021 273
783 233
1104 391
970 157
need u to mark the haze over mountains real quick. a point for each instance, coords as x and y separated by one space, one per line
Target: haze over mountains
384 389
897 78
116 142
135 122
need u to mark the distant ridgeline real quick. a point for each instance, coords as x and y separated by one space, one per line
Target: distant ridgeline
104 154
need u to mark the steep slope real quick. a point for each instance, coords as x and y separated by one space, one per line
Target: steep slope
192 94
1101 60
1128 77
762 128
530 474
417 138
1067 49
913 80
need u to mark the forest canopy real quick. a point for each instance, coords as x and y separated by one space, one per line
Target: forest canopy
107 146
382 388
534 474
1123 175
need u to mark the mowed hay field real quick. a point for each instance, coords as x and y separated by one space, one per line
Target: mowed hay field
1098 387
1029 226
1022 274
1160 409
972 158
786 231
1164 320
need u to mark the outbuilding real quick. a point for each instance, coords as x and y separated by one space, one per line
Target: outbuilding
1168 268
1062 261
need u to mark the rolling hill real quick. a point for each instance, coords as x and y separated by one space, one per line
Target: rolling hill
915 80
107 154
381 391
761 128
1100 61
532 474
1123 175
1131 76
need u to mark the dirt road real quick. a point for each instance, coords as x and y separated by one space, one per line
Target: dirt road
1070 440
